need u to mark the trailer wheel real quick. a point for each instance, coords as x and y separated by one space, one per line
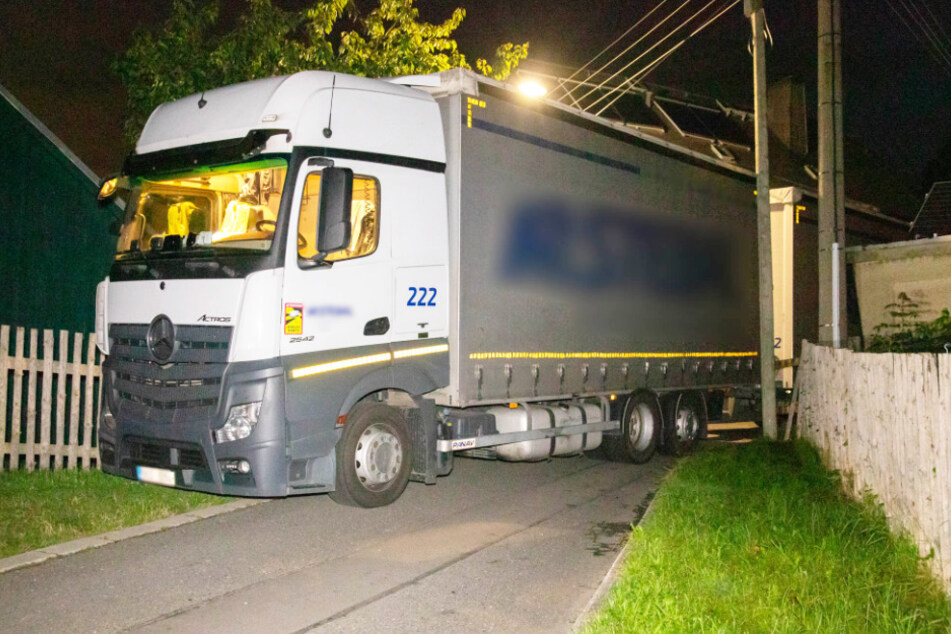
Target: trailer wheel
640 430
685 422
374 457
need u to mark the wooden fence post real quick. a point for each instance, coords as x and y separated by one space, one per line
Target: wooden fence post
5 368
62 442
88 451
74 374
943 468
46 402
18 364
32 364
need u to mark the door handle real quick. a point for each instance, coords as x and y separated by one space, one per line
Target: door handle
378 326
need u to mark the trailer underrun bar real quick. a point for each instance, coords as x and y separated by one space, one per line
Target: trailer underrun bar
532 434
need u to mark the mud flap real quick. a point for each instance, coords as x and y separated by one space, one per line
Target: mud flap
428 462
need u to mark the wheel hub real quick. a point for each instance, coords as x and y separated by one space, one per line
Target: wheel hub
641 427
378 457
687 424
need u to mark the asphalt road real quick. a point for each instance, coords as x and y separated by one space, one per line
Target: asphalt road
492 547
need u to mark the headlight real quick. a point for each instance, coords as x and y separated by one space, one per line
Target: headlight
108 421
240 423
108 189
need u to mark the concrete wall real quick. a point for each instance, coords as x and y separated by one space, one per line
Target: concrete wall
918 268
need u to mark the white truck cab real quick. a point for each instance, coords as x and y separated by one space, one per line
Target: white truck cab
219 290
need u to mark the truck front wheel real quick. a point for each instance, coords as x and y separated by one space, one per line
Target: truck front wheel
374 457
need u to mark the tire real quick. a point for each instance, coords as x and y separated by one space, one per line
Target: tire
685 423
640 430
374 457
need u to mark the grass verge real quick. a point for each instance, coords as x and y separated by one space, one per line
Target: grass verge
43 508
760 538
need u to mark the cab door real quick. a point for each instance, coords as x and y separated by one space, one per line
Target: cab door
346 303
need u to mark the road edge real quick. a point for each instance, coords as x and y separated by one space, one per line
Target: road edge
601 592
33 557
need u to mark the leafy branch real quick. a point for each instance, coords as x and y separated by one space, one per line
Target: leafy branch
191 53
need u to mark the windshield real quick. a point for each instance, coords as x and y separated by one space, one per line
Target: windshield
233 206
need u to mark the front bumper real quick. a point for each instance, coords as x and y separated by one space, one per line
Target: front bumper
150 433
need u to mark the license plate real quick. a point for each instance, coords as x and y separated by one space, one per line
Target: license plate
165 477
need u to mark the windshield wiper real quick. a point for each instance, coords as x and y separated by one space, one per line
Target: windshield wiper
145 264
212 264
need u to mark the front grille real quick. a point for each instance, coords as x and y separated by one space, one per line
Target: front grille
204 345
170 405
193 344
166 383
150 454
167 455
187 388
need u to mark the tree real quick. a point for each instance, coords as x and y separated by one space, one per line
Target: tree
190 52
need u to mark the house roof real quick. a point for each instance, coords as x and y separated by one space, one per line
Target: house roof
46 132
934 217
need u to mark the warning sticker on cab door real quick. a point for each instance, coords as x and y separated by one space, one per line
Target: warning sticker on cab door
293 319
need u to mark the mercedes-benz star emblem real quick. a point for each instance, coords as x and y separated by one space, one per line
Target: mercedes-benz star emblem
161 338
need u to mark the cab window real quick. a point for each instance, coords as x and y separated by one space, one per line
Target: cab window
233 206
364 218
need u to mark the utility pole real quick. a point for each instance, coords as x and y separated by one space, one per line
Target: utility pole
832 312
753 9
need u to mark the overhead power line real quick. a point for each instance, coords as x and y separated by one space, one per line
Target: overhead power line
616 77
933 26
937 23
913 20
635 43
927 29
641 56
562 82
659 60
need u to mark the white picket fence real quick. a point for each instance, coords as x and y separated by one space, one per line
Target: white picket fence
884 421
49 400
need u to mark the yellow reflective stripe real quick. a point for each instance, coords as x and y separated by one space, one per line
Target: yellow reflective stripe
373 358
605 355
415 352
339 365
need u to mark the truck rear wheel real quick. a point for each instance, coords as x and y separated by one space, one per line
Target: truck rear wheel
374 457
640 430
685 422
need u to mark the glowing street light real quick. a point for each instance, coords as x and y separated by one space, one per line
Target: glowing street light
532 89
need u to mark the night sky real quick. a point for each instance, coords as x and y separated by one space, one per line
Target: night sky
55 55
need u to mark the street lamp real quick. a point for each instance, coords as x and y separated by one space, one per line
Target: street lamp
532 89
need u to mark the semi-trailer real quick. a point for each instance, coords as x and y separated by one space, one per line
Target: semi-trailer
327 283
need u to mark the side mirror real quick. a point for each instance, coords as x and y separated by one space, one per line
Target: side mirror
336 195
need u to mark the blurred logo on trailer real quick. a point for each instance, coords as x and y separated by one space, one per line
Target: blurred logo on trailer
601 248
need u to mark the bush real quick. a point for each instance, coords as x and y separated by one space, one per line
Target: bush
907 334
